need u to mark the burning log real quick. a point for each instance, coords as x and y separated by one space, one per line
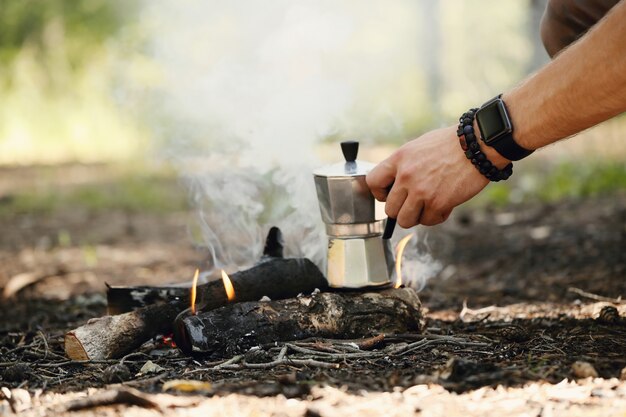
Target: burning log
114 336
235 328
122 299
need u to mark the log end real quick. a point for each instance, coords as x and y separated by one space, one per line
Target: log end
74 349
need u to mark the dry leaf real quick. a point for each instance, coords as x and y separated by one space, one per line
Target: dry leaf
187 385
19 282
150 368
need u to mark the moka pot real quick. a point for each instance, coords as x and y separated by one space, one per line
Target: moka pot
357 255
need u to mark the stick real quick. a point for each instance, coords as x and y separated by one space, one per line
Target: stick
596 297
235 328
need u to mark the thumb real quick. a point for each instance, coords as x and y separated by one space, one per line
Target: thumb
381 178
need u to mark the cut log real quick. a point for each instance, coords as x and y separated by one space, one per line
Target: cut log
122 299
111 337
114 336
235 328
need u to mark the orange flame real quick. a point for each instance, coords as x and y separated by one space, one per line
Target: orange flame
399 251
228 286
194 292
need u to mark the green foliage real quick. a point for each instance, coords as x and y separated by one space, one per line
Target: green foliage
40 23
565 180
498 194
583 180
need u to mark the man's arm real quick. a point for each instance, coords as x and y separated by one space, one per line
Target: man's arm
583 86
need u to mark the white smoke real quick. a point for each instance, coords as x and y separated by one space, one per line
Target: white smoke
247 90
418 265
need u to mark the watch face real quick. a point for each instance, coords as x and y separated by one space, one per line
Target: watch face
493 121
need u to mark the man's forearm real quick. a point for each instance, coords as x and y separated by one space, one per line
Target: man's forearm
583 86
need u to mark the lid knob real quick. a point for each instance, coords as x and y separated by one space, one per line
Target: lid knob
350 149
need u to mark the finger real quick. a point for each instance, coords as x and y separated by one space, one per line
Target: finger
432 217
380 178
445 215
410 213
395 200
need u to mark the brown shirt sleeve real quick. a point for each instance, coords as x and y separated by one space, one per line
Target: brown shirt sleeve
564 21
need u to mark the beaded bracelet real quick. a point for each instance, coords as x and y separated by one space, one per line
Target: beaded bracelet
471 147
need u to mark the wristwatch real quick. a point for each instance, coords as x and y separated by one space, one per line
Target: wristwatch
496 130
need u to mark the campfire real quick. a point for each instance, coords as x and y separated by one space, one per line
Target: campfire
278 299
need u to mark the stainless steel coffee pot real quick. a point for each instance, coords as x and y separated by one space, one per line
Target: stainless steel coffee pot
357 254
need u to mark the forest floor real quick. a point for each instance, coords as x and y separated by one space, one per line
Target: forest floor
525 317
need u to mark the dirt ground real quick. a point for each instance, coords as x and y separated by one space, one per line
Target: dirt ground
525 318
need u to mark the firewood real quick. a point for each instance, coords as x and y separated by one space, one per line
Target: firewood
122 299
111 337
114 336
235 328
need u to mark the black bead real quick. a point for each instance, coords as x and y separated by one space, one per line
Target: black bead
469 154
468 129
486 164
481 157
470 137
482 170
459 132
467 121
474 161
474 146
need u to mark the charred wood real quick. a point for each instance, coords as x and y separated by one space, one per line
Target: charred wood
122 299
235 328
114 336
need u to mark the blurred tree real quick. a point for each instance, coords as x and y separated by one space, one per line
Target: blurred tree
76 26
59 60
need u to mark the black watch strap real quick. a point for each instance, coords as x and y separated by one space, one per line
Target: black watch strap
501 141
507 147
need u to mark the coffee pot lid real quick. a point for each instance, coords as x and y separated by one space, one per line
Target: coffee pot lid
350 168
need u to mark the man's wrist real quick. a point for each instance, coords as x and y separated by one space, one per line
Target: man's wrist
521 134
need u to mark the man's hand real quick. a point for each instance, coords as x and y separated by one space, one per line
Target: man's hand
430 177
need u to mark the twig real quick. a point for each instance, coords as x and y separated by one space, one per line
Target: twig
596 297
440 340
485 310
228 363
313 363
282 353
120 396
329 355
45 342
284 361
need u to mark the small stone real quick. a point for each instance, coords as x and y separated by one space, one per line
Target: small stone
582 369
622 374
115 373
16 373
264 299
